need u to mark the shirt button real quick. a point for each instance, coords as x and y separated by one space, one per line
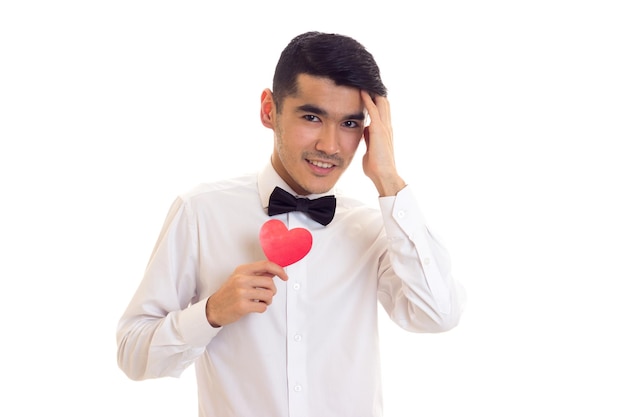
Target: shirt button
296 286
426 261
401 213
297 338
297 388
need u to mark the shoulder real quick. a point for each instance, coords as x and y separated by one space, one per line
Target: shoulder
232 194
350 201
350 206
222 189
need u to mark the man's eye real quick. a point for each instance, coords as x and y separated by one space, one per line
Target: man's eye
311 118
351 124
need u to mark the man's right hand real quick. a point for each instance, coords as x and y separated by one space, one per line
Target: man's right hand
249 289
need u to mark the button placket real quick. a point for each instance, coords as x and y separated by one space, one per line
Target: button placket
296 325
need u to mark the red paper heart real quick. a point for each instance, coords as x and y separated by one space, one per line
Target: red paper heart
283 246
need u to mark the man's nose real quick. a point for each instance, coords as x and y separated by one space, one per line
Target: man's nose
328 140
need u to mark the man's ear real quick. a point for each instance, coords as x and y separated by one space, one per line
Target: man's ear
268 109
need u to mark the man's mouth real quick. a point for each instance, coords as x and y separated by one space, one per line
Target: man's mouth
321 164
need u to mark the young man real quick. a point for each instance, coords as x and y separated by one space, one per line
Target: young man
299 340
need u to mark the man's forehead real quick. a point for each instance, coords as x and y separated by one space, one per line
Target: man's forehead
321 95
303 80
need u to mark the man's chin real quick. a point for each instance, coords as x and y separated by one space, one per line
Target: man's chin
312 184
318 188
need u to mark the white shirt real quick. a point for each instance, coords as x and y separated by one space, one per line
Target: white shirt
314 352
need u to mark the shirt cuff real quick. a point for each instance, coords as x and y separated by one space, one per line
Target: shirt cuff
194 327
401 214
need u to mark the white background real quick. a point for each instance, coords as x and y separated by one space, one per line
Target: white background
509 120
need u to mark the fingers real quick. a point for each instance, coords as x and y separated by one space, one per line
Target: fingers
250 288
273 269
261 289
256 281
378 108
370 106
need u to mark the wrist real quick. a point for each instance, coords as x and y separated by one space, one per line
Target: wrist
210 317
390 187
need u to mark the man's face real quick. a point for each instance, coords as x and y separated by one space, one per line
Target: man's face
317 134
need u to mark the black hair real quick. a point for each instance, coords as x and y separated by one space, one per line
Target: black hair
329 55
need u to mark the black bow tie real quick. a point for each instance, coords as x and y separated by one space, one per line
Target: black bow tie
322 209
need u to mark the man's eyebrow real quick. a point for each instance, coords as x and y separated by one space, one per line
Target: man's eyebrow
309 108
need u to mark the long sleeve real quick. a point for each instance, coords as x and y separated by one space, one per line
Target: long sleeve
416 286
164 328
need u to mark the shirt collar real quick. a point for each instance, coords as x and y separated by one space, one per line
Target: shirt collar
268 178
